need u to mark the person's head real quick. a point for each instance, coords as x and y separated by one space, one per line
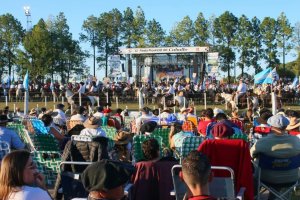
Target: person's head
222 131
80 110
155 112
209 113
145 110
43 109
266 115
106 178
119 110
293 115
278 123
47 119
3 120
196 169
60 106
150 149
176 127
17 169
99 109
263 110
221 116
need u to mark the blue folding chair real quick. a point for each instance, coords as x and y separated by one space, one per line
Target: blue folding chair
277 164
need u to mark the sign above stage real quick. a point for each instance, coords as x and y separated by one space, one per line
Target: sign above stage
163 50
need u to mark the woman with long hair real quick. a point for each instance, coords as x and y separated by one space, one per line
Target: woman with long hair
20 179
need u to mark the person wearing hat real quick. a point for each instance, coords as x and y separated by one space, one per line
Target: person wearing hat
106 179
61 116
9 136
177 135
19 113
277 144
143 118
80 114
182 114
33 112
92 127
123 145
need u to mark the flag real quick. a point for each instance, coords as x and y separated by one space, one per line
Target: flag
272 76
8 81
261 76
295 82
141 102
26 81
51 86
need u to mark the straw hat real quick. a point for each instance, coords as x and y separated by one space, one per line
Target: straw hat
183 109
122 137
92 122
32 111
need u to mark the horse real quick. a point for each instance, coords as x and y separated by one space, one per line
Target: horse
19 94
229 100
11 93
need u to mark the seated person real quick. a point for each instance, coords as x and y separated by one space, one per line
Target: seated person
20 179
106 179
9 136
118 114
148 127
208 116
196 173
176 136
92 127
43 111
99 112
294 124
260 120
123 146
277 144
80 116
51 128
140 120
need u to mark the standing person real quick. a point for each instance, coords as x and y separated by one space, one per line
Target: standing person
20 179
8 135
196 173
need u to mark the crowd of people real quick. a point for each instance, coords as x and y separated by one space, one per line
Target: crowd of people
274 135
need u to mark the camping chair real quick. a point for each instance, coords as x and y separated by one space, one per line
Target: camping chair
71 184
234 154
164 133
277 164
189 144
137 145
219 187
4 149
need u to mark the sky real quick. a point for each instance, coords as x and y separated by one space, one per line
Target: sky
166 12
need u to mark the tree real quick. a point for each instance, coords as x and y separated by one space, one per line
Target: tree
127 28
155 34
225 28
269 29
37 55
284 36
11 34
89 27
183 32
116 26
256 53
201 26
244 42
211 31
139 28
296 36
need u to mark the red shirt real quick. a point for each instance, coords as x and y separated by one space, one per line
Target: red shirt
202 126
202 197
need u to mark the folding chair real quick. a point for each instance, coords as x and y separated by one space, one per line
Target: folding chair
234 154
220 187
277 164
71 184
189 144
164 133
137 145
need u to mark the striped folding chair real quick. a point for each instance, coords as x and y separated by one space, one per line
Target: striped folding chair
189 144
164 133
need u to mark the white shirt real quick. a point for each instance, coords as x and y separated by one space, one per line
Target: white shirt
78 117
93 132
242 88
81 89
61 115
98 114
30 193
141 120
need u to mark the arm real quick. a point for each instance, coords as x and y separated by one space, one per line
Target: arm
291 127
56 134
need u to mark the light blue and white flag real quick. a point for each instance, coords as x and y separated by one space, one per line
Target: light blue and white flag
26 81
295 82
51 86
261 76
8 81
272 76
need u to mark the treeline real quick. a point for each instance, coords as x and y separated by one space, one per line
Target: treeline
49 48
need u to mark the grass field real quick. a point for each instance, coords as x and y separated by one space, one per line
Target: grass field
130 106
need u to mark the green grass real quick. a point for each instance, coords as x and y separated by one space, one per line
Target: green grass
130 106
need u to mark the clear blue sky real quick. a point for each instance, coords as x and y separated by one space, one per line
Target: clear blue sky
167 12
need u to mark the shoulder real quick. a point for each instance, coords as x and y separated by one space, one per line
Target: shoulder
28 193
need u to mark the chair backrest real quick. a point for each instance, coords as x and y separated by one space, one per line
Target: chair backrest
4 149
110 131
239 123
278 164
189 144
234 154
71 123
164 133
220 187
137 145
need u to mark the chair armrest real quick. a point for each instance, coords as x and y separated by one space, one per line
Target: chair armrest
172 193
240 195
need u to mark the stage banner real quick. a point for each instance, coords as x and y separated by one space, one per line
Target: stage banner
213 64
114 64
